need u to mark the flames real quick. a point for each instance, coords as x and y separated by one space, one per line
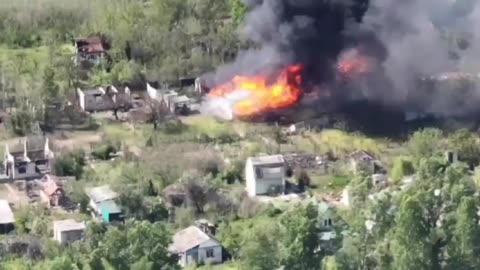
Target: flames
257 95
352 63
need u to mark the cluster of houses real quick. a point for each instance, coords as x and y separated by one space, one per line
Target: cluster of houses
138 104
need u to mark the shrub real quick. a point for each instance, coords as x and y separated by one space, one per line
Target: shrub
70 164
401 168
103 152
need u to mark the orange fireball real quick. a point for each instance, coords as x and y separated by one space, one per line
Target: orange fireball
352 63
261 96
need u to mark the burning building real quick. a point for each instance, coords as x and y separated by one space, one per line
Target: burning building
316 57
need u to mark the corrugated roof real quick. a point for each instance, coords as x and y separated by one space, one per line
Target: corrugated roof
6 214
109 206
100 194
68 225
265 160
188 238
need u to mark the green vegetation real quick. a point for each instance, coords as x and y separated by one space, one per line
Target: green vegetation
430 223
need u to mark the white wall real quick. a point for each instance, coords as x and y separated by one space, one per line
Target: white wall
250 178
65 237
81 99
263 186
199 255
217 254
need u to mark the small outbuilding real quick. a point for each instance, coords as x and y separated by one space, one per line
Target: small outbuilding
265 175
103 205
195 246
7 219
68 231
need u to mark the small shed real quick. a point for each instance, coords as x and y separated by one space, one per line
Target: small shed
110 211
68 231
102 202
7 219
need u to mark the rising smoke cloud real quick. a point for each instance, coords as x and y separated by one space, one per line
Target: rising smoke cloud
426 38
407 39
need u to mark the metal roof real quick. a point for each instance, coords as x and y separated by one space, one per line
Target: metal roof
109 206
68 225
266 160
100 194
188 238
6 214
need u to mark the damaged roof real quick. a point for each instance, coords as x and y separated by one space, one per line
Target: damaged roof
266 160
90 45
362 155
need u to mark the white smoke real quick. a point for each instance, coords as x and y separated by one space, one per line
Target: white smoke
222 107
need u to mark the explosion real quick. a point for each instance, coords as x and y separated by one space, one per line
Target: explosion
353 63
258 96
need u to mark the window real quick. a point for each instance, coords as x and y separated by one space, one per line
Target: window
22 170
259 172
327 222
210 253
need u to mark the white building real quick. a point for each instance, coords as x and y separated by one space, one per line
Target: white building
194 246
68 231
7 219
265 175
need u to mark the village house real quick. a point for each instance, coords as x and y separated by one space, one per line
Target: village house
176 104
68 231
265 175
28 160
52 194
90 50
102 203
103 99
196 245
7 220
362 161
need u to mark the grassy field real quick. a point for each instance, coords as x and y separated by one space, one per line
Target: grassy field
329 183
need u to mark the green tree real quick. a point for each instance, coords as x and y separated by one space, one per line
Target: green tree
238 11
466 237
411 243
50 87
60 263
401 168
70 164
138 241
301 239
261 250
465 144
425 143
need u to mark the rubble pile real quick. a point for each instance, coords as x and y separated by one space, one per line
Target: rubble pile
305 161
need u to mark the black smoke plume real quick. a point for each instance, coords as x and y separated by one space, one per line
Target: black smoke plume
420 51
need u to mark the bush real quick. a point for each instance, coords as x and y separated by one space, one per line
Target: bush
70 164
401 168
103 152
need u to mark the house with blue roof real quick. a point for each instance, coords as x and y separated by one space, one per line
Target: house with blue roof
103 205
